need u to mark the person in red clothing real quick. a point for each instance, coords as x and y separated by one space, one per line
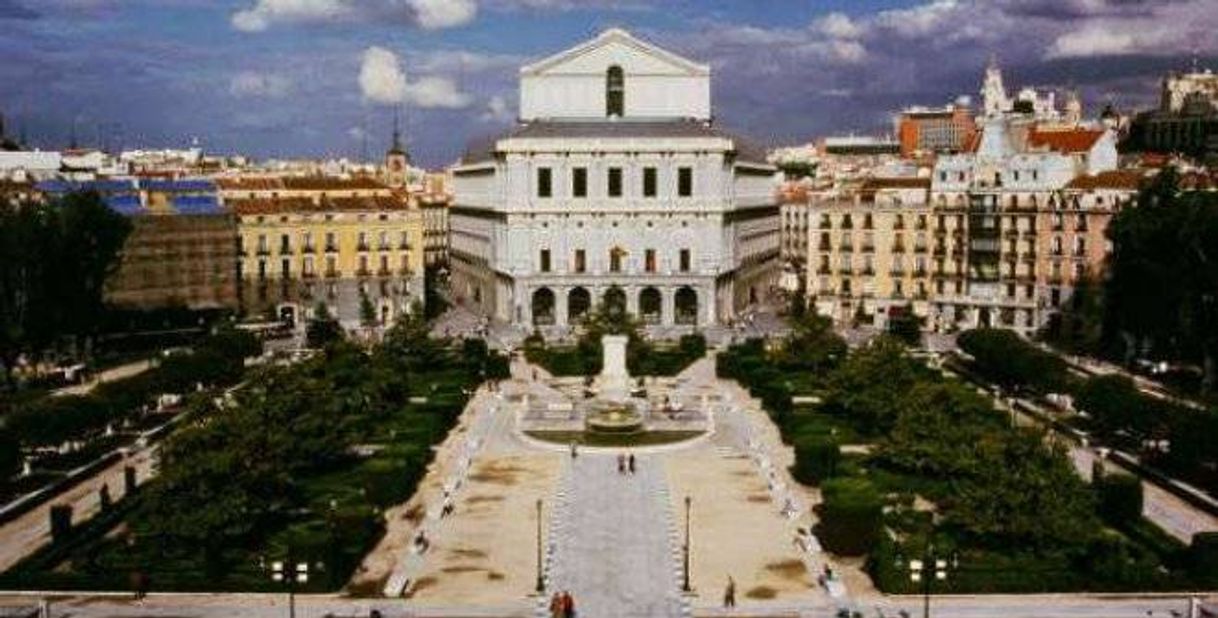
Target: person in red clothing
568 605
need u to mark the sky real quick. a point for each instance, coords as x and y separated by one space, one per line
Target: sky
314 78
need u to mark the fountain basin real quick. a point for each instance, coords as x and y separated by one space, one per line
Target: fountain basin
615 419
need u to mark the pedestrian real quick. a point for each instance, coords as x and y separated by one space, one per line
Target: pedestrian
729 595
556 609
630 463
574 451
621 463
568 605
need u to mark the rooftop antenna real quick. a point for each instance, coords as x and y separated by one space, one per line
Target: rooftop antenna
363 137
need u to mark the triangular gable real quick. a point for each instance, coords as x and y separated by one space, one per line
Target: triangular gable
607 39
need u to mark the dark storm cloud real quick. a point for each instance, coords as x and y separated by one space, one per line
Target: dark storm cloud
12 9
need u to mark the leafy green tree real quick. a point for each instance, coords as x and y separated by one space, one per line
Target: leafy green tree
871 384
817 458
1022 493
367 312
851 516
1162 291
936 428
1115 404
812 345
1120 498
1011 361
905 325
323 329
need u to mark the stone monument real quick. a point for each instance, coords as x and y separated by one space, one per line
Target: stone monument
614 381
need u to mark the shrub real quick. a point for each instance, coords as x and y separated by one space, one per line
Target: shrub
1203 558
1012 362
816 459
693 346
851 517
1120 498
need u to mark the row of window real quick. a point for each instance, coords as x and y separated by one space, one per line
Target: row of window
614 185
331 242
308 268
616 261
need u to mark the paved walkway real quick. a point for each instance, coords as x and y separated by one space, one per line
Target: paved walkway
615 547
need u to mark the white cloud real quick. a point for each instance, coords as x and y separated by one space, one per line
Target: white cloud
837 26
255 84
383 81
264 12
1092 42
381 77
425 14
435 91
438 14
497 110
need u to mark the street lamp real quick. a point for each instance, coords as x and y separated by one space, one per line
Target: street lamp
541 587
927 569
688 502
291 573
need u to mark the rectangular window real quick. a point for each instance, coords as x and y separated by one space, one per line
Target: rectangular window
649 182
579 182
544 189
581 261
685 181
615 182
545 260
649 260
615 260
684 260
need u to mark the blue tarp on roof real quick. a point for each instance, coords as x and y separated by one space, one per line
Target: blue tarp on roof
125 204
101 186
188 185
197 205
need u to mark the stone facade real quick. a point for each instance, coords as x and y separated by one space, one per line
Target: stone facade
634 198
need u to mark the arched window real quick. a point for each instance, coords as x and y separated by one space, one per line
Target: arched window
615 92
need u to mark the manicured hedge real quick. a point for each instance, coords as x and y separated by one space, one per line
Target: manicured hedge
816 459
1120 498
1014 363
851 516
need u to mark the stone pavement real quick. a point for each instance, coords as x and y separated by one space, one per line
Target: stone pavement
616 549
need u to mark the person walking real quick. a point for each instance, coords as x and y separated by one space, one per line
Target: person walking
729 595
556 609
574 450
621 463
630 463
568 605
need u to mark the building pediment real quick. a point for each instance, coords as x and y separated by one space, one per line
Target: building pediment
616 47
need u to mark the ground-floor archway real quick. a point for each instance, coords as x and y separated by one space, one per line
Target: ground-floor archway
543 306
615 301
686 301
579 302
651 305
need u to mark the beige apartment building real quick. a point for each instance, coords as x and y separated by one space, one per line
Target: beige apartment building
312 241
872 251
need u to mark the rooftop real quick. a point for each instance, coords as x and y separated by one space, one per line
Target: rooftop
1065 141
1130 179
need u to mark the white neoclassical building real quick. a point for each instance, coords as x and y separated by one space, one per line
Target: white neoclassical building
615 187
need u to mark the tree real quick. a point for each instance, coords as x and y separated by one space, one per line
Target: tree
905 325
813 345
367 312
1115 404
816 459
871 384
322 329
1162 292
1120 498
851 516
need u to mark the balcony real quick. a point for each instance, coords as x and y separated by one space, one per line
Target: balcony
363 272
406 272
331 249
846 248
404 246
919 248
1010 233
868 272
868 248
285 251
823 270
308 274
919 272
940 250
308 249
384 272
264 251
384 247
333 274
897 272
898 248
824 246
845 271
363 246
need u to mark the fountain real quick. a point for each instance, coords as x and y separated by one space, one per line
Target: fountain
606 411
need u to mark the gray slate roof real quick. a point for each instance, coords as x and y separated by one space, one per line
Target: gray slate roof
609 129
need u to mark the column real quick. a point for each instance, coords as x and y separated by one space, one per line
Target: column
560 306
711 303
632 300
669 300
